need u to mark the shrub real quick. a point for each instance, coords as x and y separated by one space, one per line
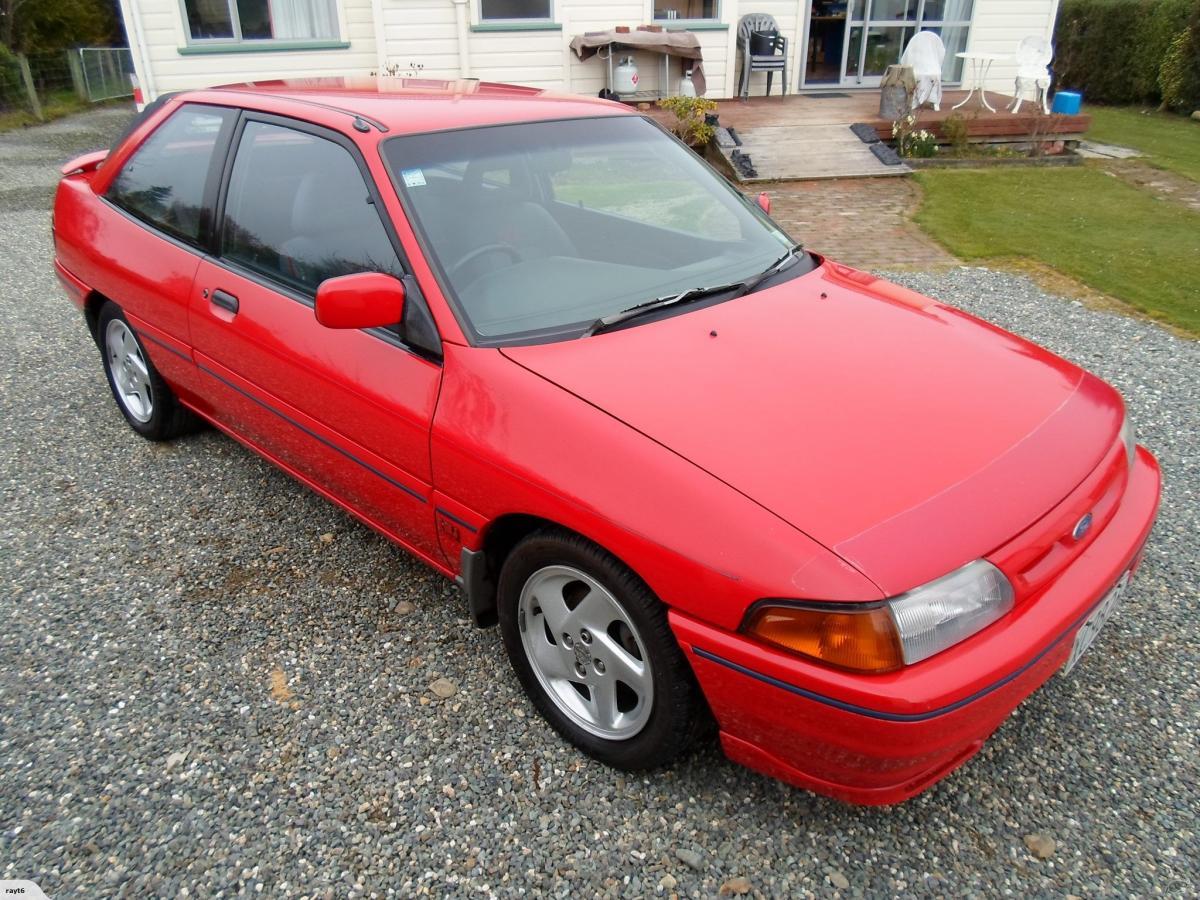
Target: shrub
1179 77
1114 50
12 91
956 130
690 126
1163 22
911 143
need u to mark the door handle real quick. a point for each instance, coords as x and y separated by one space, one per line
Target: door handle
227 302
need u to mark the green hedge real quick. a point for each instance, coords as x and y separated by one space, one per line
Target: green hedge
1115 50
1179 78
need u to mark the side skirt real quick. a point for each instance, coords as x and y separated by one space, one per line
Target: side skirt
430 561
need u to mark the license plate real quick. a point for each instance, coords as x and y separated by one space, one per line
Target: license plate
1091 628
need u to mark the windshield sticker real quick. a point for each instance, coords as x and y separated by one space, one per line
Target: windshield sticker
413 178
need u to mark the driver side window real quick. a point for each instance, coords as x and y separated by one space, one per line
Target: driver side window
299 212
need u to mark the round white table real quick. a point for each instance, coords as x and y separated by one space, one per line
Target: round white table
980 64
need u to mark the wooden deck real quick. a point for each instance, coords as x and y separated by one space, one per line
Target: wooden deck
807 152
863 106
807 136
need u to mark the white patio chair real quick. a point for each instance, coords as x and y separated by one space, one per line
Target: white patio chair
1034 55
926 54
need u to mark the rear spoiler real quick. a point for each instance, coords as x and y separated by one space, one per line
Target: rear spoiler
89 162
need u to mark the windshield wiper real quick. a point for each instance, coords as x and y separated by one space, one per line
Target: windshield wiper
657 303
738 287
770 270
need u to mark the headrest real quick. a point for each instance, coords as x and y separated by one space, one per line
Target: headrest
328 202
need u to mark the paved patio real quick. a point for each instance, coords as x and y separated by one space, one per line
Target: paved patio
862 222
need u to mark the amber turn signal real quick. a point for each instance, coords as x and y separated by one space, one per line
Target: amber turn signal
863 641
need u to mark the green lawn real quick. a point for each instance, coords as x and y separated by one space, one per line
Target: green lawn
1088 225
1172 141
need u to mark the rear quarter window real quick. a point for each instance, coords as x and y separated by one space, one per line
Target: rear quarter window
169 182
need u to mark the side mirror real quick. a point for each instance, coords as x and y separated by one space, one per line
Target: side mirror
764 202
361 300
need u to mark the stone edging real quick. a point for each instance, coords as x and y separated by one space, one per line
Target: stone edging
997 162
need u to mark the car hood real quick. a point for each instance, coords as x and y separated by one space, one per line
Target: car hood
906 436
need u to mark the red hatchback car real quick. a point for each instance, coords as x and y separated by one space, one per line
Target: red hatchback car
694 471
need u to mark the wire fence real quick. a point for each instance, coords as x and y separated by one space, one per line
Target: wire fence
106 72
39 82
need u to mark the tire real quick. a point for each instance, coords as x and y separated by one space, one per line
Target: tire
591 646
143 398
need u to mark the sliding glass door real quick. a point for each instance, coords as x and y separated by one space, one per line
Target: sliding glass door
878 31
952 20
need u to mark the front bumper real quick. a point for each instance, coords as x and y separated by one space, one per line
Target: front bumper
878 739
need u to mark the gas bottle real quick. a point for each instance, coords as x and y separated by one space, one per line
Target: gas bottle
686 87
625 78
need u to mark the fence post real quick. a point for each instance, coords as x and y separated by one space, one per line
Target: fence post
26 76
78 81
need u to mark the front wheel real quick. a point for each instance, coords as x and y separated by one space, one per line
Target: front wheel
591 646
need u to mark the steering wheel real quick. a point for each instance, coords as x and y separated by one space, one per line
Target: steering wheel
473 255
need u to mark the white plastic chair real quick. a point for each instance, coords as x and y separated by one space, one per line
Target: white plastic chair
1034 55
926 54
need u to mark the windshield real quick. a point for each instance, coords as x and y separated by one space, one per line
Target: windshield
539 229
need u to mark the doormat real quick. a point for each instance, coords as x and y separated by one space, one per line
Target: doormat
866 133
885 154
826 96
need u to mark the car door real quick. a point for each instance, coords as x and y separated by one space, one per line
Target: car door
347 411
160 206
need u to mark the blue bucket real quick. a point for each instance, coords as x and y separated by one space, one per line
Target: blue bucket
1067 103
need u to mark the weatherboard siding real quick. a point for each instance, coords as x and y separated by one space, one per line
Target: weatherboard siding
426 38
165 34
999 25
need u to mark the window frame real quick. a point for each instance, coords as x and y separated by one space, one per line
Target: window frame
915 23
236 40
212 179
511 23
415 305
941 25
682 22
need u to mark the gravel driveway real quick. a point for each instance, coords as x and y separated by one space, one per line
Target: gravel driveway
213 681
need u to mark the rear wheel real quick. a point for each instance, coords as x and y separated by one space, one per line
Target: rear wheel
141 394
591 646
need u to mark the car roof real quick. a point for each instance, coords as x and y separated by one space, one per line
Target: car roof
415 105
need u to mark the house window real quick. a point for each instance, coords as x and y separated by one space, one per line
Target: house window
514 10
261 20
686 9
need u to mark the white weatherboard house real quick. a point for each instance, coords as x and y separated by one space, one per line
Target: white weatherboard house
180 44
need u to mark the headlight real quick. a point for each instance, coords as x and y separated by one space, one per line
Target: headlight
943 612
902 631
1129 439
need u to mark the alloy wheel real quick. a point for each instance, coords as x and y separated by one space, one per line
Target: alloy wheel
130 374
585 652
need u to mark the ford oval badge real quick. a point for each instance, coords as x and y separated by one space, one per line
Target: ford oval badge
1082 527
